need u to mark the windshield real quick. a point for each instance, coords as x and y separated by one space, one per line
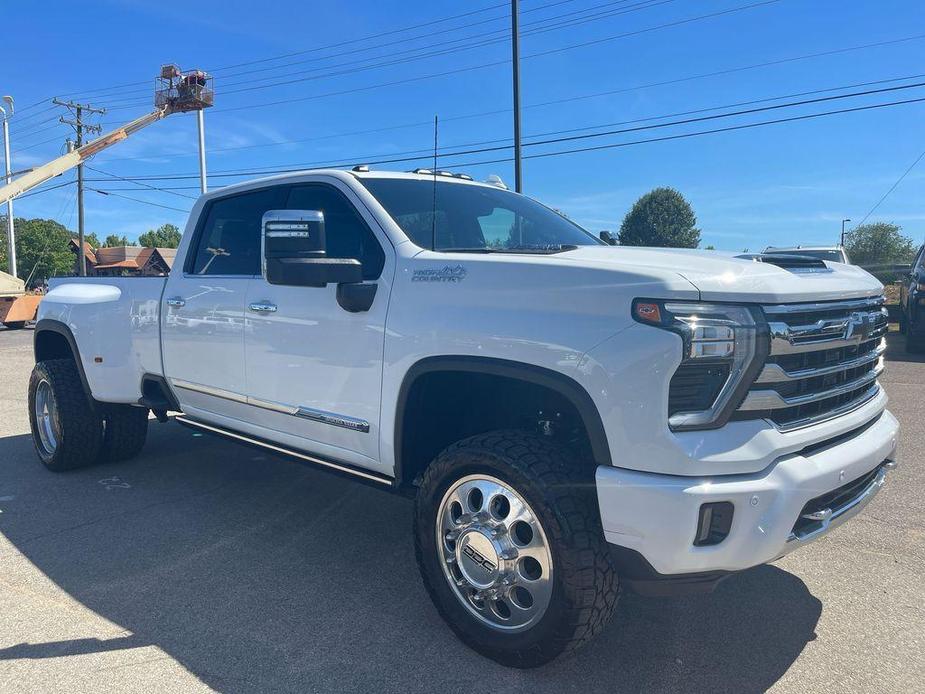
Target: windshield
833 255
474 218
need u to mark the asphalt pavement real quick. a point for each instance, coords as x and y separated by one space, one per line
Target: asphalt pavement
201 565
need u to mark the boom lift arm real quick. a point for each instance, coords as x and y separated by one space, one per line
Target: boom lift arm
178 92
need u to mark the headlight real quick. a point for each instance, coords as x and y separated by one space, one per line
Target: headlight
720 347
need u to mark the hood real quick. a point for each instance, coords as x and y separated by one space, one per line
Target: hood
724 277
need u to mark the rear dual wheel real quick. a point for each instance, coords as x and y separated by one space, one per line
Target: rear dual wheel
68 430
510 548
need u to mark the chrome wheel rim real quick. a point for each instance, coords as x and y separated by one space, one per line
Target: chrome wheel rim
46 417
494 553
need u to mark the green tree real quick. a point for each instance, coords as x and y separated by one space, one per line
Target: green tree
91 238
114 241
879 243
42 244
661 217
165 236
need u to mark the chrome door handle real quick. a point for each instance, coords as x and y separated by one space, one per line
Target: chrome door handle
176 301
263 307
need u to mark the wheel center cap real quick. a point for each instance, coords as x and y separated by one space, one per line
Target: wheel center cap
477 558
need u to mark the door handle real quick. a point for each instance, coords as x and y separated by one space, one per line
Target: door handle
263 307
176 301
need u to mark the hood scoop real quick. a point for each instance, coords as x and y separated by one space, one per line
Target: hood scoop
794 262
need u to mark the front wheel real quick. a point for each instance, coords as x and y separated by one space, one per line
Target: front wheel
510 548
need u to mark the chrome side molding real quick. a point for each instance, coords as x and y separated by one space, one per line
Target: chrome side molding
336 420
330 418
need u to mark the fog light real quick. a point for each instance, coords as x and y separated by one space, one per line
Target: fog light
714 523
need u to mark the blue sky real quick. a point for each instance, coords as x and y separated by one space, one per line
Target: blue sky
778 184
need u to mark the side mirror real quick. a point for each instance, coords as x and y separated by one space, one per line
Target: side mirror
294 251
609 238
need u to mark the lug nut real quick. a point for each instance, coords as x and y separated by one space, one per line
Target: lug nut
509 554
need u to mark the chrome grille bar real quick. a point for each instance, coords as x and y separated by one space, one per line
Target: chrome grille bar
823 362
774 373
772 400
849 331
852 305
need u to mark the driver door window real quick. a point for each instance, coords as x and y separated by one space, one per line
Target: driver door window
229 243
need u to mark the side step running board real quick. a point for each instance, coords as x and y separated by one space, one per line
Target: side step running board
276 448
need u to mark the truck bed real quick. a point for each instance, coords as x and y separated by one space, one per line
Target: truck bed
115 322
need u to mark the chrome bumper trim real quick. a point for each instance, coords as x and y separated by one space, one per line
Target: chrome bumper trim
830 518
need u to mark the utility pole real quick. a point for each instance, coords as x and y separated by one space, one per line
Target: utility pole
843 231
10 232
79 126
515 56
203 183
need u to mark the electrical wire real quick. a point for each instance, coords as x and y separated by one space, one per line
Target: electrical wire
137 183
339 43
890 191
143 202
42 190
570 138
471 68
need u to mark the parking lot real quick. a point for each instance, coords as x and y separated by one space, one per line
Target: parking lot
202 565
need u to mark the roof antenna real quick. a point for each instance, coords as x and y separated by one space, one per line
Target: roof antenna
433 219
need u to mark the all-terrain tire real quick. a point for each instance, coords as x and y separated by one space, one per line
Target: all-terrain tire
77 428
125 429
561 492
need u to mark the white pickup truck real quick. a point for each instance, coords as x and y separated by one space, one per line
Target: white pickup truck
570 417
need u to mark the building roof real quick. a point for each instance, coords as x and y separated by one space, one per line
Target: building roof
129 257
88 251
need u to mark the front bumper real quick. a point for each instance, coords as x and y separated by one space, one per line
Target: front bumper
656 515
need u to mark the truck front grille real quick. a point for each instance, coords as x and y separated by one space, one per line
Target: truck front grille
824 361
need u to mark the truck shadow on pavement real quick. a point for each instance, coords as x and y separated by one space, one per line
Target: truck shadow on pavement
257 574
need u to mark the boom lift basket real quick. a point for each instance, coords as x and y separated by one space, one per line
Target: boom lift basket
180 92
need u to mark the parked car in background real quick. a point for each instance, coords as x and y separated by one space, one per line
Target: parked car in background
912 304
835 254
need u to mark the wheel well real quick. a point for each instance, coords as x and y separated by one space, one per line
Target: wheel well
440 407
53 340
51 345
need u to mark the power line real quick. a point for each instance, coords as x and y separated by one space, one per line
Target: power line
399 158
531 55
44 190
892 188
703 132
143 202
139 183
565 100
340 43
481 39
470 152
446 73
